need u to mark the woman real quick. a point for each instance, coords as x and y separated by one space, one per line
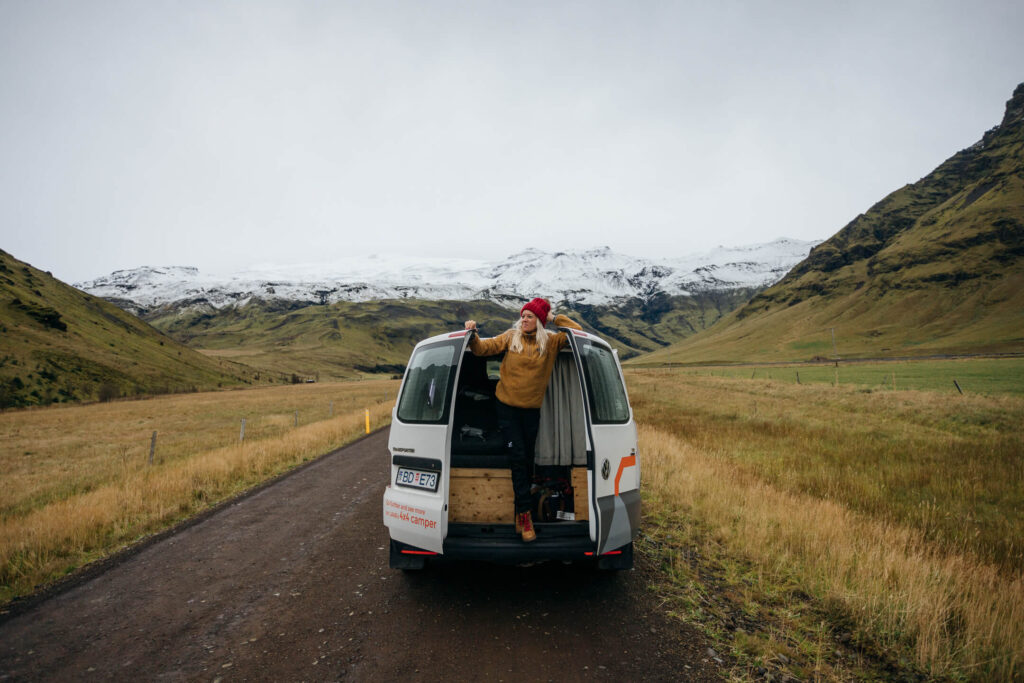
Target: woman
530 353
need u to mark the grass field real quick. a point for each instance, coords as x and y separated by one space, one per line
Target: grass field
892 520
77 483
974 375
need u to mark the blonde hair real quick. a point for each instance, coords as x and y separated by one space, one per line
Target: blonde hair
516 345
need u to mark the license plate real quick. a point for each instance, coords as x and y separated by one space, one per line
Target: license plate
416 479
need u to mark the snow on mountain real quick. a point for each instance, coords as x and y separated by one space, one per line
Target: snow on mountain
594 276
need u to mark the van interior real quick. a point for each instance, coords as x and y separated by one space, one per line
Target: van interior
480 481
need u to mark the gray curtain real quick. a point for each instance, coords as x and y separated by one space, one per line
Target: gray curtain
561 439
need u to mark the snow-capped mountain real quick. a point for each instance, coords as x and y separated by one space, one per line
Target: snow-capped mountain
595 277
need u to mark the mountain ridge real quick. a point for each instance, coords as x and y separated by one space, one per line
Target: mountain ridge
364 316
589 277
935 267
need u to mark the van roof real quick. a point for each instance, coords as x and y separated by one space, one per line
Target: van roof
462 333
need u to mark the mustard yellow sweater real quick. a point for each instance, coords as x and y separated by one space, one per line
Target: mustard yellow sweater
524 376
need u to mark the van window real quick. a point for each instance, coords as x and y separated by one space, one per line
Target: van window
607 396
426 394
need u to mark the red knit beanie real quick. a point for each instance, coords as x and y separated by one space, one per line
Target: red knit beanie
539 307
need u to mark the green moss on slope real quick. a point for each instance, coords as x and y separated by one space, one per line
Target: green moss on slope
935 267
59 344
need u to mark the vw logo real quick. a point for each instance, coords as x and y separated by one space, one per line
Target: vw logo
606 469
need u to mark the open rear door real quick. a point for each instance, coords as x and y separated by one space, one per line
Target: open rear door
416 499
615 472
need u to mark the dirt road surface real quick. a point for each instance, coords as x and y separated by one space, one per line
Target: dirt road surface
292 584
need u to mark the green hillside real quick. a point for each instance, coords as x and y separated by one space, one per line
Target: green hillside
936 267
346 339
60 344
637 327
339 341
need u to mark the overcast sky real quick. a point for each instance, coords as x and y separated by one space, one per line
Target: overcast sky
229 134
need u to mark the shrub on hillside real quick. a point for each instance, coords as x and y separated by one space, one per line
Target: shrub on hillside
108 391
43 315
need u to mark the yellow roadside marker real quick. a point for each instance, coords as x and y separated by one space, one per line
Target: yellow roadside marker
367 420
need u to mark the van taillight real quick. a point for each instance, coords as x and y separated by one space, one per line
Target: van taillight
418 552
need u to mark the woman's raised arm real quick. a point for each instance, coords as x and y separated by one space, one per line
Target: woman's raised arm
486 347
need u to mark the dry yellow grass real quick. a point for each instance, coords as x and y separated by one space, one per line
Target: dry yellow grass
945 464
795 518
51 453
85 488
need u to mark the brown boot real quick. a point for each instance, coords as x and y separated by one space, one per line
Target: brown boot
525 526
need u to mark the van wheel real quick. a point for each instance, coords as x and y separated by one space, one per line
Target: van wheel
617 562
396 560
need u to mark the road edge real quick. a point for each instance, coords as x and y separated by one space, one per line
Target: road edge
96 568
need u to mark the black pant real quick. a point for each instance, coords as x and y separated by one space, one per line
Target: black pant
519 430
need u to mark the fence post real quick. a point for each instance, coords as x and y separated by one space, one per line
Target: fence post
330 413
955 383
296 418
152 448
798 377
241 434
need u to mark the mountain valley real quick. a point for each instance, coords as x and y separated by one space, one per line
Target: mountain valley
935 268
364 315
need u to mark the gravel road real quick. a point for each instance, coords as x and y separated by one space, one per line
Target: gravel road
292 584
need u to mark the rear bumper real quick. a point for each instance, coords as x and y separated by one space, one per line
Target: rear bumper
500 543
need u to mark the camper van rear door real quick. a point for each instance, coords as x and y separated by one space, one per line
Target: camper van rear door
615 495
415 502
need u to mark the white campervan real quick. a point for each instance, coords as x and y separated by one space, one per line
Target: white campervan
450 492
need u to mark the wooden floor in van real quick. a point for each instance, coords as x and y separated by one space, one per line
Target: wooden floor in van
484 496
